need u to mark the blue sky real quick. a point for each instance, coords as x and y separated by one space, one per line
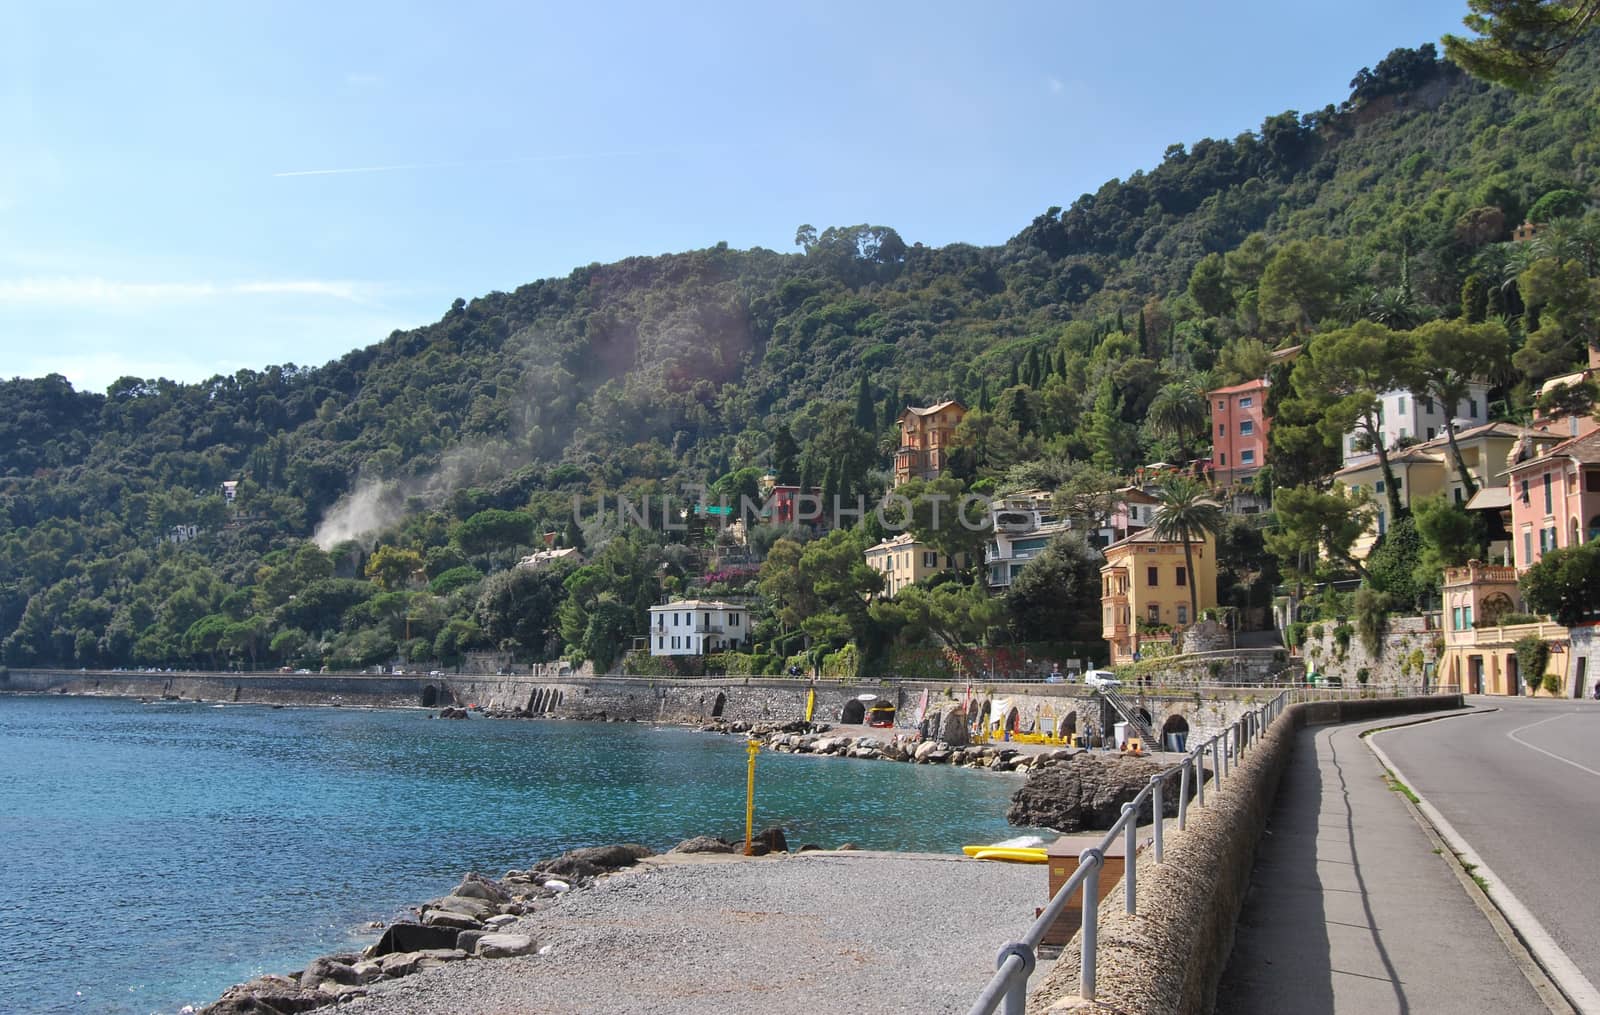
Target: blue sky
189 189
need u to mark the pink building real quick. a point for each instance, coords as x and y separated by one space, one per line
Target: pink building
1555 497
1239 426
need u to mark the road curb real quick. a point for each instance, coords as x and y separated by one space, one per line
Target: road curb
1568 979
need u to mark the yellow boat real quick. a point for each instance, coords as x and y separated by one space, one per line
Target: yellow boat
1016 854
1012 854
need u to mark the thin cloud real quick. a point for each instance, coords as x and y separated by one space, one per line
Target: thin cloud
474 163
1056 85
110 293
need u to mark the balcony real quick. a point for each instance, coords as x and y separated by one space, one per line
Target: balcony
1475 572
1501 637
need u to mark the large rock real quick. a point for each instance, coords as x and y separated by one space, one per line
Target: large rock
612 857
772 838
328 970
266 995
445 918
460 904
412 937
1087 791
503 946
703 844
476 886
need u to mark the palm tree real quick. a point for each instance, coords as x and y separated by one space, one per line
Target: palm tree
1179 411
1186 512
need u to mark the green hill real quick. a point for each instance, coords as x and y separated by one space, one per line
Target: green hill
646 374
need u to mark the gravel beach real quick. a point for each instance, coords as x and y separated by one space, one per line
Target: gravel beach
808 933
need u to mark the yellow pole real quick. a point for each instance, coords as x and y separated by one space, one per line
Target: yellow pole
753 747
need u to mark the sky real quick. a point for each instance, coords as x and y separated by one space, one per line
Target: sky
188 189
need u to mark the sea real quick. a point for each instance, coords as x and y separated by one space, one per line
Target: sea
151 854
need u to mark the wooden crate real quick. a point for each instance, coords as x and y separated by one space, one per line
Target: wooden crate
1062 856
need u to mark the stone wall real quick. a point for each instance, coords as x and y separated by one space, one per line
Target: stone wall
1585 656
1404 654
1168 958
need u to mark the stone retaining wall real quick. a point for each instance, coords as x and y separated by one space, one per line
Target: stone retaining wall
1168 959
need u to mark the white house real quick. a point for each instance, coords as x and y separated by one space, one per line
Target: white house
694 627
1408 417
1022 526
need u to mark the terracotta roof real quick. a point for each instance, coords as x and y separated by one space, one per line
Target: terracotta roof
1585 449
1149 536
1259 384
1414 455
929 410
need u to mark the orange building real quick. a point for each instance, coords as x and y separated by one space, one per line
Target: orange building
1239 425
927 436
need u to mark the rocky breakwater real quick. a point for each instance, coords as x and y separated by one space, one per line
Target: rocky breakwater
1077 790
471 923
907 747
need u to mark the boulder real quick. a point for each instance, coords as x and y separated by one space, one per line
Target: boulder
568 866
1087 791
772 838
475 908
445 918
266 995
439 957
703 844
476 886
412 937
612 857
327 969
499 921
468 940
504 946
452 713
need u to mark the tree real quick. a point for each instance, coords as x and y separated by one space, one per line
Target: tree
1186 513
1446 358
1208 286
1345 373
785 456
1565 584
1519 42
1057 595
516 610
494 529
393 568
1313 525
1243 359
954 612
1179 411
936 519
822 587
1449 537
1301 284
1566 302
866 410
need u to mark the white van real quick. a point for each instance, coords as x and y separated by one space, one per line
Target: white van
1101 678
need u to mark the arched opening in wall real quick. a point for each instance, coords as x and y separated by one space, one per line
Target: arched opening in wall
1069 723
980 718
718 705
853 713
1144 715
556 698
1012 720
1175 733
430 696
533 701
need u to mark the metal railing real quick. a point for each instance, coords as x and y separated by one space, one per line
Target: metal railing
1007 989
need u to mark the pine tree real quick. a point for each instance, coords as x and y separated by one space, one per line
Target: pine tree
1014 381
891 409
573 536
866 412
985 403
1141 336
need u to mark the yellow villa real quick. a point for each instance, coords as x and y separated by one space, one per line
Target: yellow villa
903 561
1145 586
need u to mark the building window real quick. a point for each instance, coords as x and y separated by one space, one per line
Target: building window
930 558
1431 433
1524 491
1222 429
1548 506
1455 619
1152 576
1466 614
1427 405
733 620
661 643
1378 486
1183 577
1183 614
1247 427
1247 402
1527 547
1224 458
1472 408
1591 482
1222 406
1154 613
1401 405
1247 457
1460 496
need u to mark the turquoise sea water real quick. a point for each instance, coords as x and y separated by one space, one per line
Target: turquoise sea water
151 855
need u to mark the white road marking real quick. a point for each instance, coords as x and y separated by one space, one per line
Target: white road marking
1549 754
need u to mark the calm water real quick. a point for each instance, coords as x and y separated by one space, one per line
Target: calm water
151 855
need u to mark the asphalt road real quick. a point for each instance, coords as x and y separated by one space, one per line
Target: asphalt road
1522 786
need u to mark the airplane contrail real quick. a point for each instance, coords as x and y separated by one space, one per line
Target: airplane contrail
407 166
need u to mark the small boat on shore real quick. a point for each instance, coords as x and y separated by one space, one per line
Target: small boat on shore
1011 854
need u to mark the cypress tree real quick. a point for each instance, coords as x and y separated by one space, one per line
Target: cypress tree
984 402
1013 382
1142 347
866 412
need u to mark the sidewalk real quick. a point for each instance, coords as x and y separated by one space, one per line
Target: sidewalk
1350 909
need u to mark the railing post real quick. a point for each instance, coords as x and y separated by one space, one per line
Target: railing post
1156 812
1090 858
1216 758
1016 996
1130 866
1200 777
1183 793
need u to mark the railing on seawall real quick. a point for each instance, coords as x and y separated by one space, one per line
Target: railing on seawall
1007 989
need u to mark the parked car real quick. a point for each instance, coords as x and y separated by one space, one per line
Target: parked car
1101 678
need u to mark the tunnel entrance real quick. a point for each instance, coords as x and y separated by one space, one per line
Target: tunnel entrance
718 705
430 696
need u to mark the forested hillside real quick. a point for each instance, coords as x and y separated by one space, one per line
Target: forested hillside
383 496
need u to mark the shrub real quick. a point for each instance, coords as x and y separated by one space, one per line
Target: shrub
1362 675
1341 637
1372 618
1509 619
1552 683
1295 634
1532 655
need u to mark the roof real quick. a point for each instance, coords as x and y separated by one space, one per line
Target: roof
1490 498
901 541
929 410
1584 450
1149 536
1414 455
1259 384
1137 493
1436 449
698 604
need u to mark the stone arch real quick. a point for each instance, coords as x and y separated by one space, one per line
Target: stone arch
1011 720
1495 606
1069 722
718 705
1175 724
1144 713
854 713
981 716
430 696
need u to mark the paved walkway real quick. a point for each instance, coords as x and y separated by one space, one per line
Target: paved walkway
1350 908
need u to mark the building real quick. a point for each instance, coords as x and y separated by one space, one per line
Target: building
1239 425
695 627
1144 590
1427 469
927 436
1480 655
903 561
1021 526
1555 496
788 504
1564 424
1405 418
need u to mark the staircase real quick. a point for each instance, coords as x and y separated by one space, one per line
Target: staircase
1136 725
